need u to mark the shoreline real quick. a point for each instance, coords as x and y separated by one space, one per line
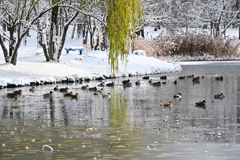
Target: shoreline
32 69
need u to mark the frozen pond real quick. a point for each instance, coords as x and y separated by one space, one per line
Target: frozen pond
133 124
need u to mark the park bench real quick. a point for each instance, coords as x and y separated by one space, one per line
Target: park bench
80 49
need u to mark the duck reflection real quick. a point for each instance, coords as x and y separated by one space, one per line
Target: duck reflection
52 110
11 109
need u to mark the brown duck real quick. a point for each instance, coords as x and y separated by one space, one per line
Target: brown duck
110 84
75 96
68 94
138 82
102 84
86 87
11 95
32 89
19 92
196 79
92 89
168 105
156 83
182 77
63 89
201 104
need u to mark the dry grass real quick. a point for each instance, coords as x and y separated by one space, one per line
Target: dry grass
192 44
142 44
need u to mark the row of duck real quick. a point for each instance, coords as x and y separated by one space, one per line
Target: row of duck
125 83
195 80
65 91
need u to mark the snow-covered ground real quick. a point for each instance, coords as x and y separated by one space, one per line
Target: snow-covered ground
31 65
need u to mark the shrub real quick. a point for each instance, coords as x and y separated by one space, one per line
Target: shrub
193 44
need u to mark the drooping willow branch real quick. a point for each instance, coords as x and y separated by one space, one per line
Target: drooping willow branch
123 16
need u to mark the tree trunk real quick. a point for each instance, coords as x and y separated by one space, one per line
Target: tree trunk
44 47
40 41
15 53
97 43
92 32
53 31
63 37
73 31
62 42
85 37
238 17
79 30
5 51
12 41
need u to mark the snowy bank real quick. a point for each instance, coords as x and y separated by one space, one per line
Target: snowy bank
32 67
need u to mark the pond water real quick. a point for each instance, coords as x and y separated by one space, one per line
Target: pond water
132 124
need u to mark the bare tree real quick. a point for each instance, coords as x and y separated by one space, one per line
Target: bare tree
17 17
52 30
175 14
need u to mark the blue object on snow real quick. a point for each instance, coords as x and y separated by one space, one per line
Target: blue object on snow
74 49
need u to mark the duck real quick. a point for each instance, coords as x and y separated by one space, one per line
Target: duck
129 84
175 82
98 92
165 82
48 95
219 78
125 81
108 95
196 79
93 89
11 95
178 95
32 89
110 84
201 104
190 76
182 77
163 77
68 94
63 89
219 96
156 83
138 82
56 88
146 77
150 81
86 87
203 77
102 84
19 92
75 96
168 105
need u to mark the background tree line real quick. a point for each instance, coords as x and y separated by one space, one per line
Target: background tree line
215 15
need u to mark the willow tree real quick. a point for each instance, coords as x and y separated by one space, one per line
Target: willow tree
124 18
